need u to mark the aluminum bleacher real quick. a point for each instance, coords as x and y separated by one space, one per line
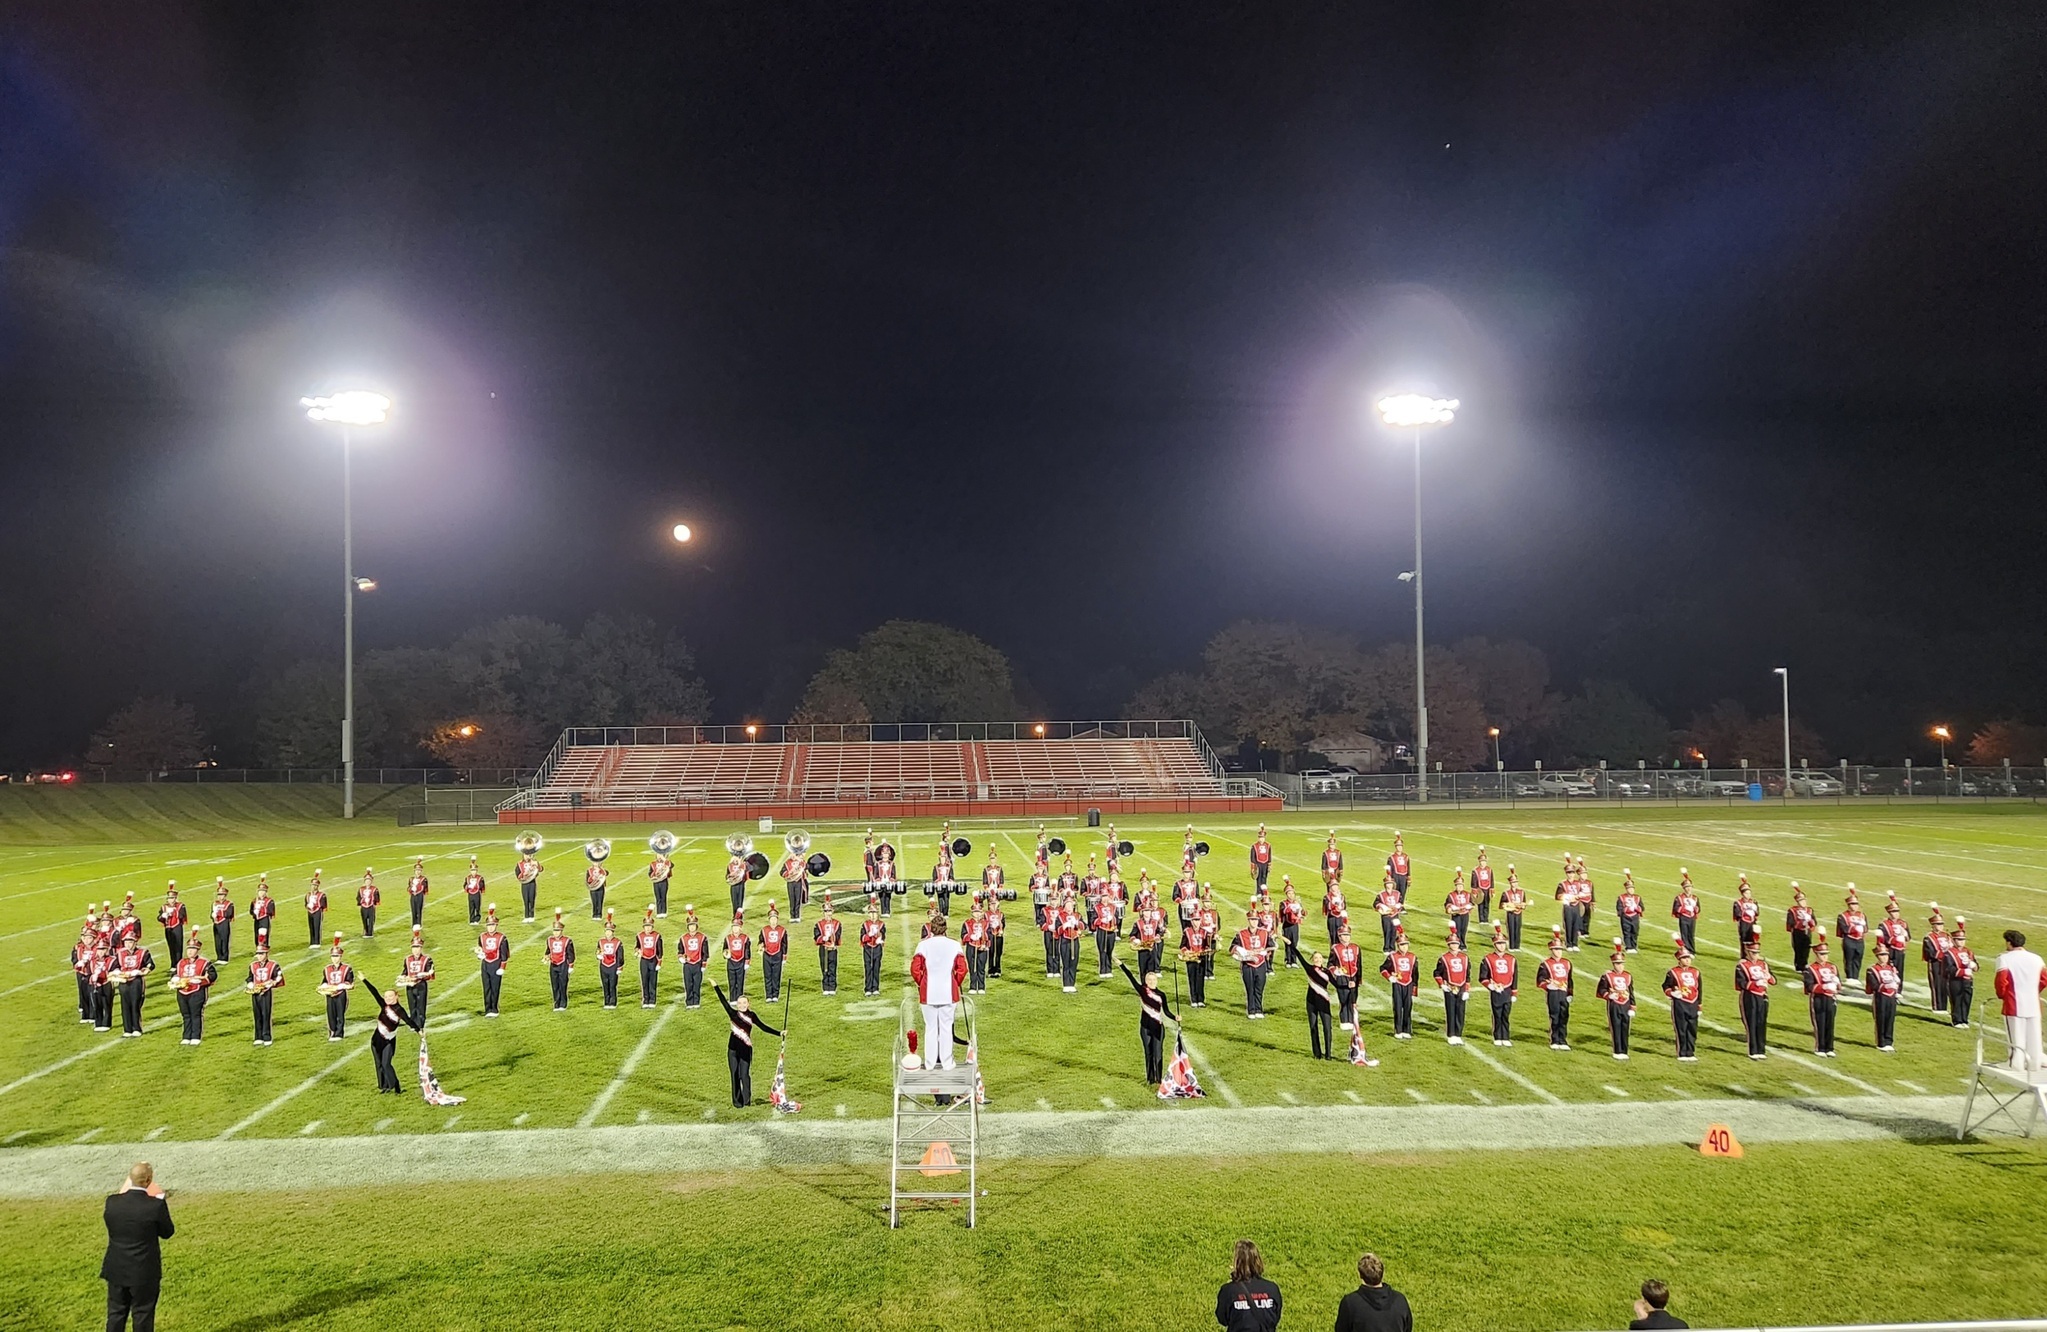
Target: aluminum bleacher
821 772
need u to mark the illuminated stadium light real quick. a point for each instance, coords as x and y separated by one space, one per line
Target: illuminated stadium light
353 407
1416 409
365 584
681 532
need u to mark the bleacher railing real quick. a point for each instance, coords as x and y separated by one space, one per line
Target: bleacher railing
817 733
1842 783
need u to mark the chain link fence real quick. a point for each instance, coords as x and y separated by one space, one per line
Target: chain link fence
1843 783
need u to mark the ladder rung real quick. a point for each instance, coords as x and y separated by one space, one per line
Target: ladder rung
932 1197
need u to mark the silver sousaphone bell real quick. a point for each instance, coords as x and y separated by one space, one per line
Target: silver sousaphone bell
528 843
741 846
598 849
662 843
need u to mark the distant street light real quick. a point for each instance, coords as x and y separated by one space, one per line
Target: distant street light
1942 734
681 532
1494 732
349 410
1784 672
468 730
1415 411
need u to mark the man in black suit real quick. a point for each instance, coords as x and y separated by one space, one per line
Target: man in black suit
138 1220
1651 1311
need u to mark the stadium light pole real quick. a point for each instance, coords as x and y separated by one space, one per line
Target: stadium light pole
1784 674
1417 412
350 409
1941 733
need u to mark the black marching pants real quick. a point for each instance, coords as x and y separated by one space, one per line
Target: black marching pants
1684 1021
1503 1012
1619 1024
261 1005
418 907
1688 930
977 970
1105 952
1822 1010
1559 1017
529 893
1961 997
1069 962
740 1063
369 922
1153 1037
315 920
493 987
692 984
1885 1008
1453 1014
650 981
1321 1032
1631 932
192 1008
828 970
136 1304
475 908
1513 930
1254 988
415 1002
771 974
870 968
1755 1020
1197 982
337 1014
607 980
387 1076
558 982
131 1004
735 980
1403 1009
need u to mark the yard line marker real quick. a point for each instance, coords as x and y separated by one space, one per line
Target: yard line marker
710 1112
1213 1078
1108 1103
1679 1092
381 1125
452 1120
1355 1097
632 1061
156 1133
839 1110
1526 1084
645 1116
1418 1097
90 1134
1739 1090
1480 1097
520 1118
1800 1088
16 1136
307 1131
1615 1090
1915 1087
1289 1098
1044 1104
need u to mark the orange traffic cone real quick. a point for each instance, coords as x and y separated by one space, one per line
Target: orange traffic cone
938 1160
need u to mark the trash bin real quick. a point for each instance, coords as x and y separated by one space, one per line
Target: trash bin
1755 790
1094 817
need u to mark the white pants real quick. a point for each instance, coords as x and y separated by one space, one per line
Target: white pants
2024 1035
938 1035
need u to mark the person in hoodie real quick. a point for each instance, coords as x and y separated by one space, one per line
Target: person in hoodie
1374 1306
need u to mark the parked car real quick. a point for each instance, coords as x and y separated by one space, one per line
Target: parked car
1807 783
1629 788
1526 788
1721 787
1322 781
1564 784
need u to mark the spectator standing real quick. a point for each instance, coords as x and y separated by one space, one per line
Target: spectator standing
138 1220
1248 1302
2020 978
1374 1306
1652 1311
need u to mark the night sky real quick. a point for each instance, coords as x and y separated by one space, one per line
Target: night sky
1054 323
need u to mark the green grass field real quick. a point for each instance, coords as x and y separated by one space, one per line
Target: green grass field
1121 1204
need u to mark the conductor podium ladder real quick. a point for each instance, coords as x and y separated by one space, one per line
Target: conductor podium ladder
2003 1088
936 1134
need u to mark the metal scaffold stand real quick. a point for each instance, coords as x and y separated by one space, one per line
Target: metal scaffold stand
937 1117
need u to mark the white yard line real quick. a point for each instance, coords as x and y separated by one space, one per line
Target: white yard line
111 1042
632 1061
40 980
156 1133
1526 1084
1209 1075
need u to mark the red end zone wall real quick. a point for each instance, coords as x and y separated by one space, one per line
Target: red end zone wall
892 809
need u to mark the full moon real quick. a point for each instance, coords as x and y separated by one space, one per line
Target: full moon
682 531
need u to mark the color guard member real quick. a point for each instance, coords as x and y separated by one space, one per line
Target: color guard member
652 948
415 973
1321 1036
826 935
1752 982
193 977
1152 1012
1555 979
1822 995
1684 986
739 1045
1617 988
1453 978
265 979
1499 973
493 950
560 951
693 950
337 978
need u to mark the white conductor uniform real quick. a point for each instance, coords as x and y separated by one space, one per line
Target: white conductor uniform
939 967
2018 987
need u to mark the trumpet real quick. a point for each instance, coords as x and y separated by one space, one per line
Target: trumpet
598 849
528 843
662 843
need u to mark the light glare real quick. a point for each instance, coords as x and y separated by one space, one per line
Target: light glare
359 407
1416 409
682 532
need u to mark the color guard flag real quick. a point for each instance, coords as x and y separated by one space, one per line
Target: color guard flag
429 1085
1180 1082
1357 1051
779 1096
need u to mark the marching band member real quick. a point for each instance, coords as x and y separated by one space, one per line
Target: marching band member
193 977
262 910
1188 854
366 899
1195 944
1851 927
1321 1037
1148 932
774 951
131 962
1746 912
1458 905
1482 887
1253 949
1212 922
528 872
1068 926
560 950
1111 859
873 946
997 927
651 948
1822 996
975 939
1335 914
596 879
472 889
825 934
659 871
1894 934
1332 864
316 910
1570 907
1152 1012
1513 905
265 978
1403 969
416 972
415 891
172 916
1346 966
223 914
1106 925
1048 925
1800 921
693 949
942 881
1586 896
1684 909
1398 867
1684 986
1499 973
884 873
1884 984
1041 894
1261 857
736 948
1388 904
991 875
1553 976
99 976
81 966
1933 951
1752 982
1268 920
1043 853
611 957
1291 914
127 926
493 950
1453 978
337 978
1961 983
796 874
384 1035
1628 908
735 882
1617 988
739 1045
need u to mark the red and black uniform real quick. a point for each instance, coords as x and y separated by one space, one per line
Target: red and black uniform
774 952
1553 976
1752 982
561 960
596 879
1403 969
81 967
1513 905
826 934
262 911
1261 860
1196 944
1067 927
1458 905
1747 912
367 899
611 951
266 977
651 947
1851 928
1389 904
195 976
1291 913
1961 982
796 874
1617 988
99 979
1684 987
172 917
415 895
1148 932
659 871
974 937
472 889
693 950
1346 965
1482 889
132 962
1499 973
1571 909
1933 951
873 946
1398 866
737 950
493 949
1453 978
1822 999
1884 984
415 973
1628 907
339 978
527 872
997 929
1800 921
223 915
1684 908
1107 924
1335 912
1893 933
1253 950
1332 866
316 912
